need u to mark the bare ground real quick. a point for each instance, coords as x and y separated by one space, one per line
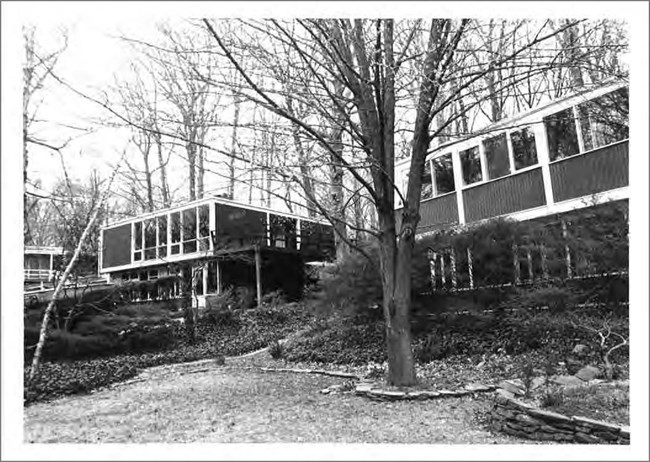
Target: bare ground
203 402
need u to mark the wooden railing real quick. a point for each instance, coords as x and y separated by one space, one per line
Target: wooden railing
37 274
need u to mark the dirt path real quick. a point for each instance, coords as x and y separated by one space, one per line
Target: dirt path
204 402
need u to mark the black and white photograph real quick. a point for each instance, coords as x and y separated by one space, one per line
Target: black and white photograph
337 230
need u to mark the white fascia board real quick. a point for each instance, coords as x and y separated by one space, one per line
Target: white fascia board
208 200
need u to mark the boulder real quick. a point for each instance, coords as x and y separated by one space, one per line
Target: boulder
588 373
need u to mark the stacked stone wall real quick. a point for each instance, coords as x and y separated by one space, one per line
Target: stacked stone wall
519 419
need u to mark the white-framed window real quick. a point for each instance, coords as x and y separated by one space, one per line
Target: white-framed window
605 120
470 162
496 156
524 151
443 175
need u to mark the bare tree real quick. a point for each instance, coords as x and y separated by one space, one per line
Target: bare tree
367 57
37 68
92 221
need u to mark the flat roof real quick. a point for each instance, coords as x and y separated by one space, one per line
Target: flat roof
207 200
43 249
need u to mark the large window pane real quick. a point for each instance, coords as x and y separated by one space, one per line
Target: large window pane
150 233
605 120
444 174
137 235
162 236
162 230
523 147
496 155
204 221
470 162
427 185
176 227
189 224
561 134
189 230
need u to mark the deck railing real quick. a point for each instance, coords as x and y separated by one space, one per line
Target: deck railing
37 274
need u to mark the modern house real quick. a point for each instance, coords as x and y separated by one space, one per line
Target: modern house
39 263
568 154
215 243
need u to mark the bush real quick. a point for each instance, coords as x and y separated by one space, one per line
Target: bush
276 350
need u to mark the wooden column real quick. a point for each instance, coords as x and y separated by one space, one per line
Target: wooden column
516 264
218 275
205 278
567 250
258 274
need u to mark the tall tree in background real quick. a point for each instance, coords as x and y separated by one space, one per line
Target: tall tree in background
37 68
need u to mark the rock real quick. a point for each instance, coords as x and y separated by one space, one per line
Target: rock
447 393
475 387
417 395
584 438
624 432
528 420
588 373
325 391
580 349
537 382
363 388
516 387
550 416
460 393
606 436
595 424
569 380
553 429
505 393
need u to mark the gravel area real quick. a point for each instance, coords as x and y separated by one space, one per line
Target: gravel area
204 402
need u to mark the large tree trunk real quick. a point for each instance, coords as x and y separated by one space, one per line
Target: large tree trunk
395 261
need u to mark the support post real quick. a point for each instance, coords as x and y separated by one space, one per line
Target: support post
432 269
469 268
205 278
218 275
258 274
452 262
567 250
515 263
542 252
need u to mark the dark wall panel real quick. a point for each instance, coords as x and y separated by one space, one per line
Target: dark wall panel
316 240
237 226
505 195
437 213
116 246
601 170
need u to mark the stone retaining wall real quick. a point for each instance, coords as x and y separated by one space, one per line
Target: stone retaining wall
519 419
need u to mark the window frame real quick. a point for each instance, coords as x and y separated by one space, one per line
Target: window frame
433 160
479 158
